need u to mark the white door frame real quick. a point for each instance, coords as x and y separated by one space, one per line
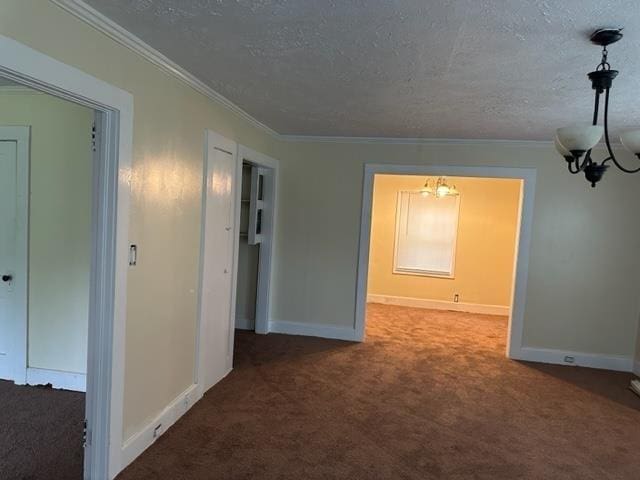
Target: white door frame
523 240
21 135
263 293
110 223
216 140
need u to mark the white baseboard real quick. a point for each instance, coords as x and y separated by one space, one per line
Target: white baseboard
245 324
439 304
636 367
57 378
139 442
313 330
580 359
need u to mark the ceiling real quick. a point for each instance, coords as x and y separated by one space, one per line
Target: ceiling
486 69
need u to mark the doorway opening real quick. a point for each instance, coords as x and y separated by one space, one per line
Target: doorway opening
45 265
255 241
464 252
99 268
238 218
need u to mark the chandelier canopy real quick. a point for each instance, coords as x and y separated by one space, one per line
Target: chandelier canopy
575 143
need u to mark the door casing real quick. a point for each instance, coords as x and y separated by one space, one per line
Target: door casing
17 336
110 227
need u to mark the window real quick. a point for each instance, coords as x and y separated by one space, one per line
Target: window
426 230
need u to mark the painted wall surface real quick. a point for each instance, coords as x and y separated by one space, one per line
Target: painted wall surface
169 123
60 225
583 274
577 298
485 246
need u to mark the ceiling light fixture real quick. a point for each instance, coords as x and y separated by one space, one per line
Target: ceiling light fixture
441 189
575 143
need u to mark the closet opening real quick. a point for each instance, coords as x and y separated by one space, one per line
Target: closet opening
256 219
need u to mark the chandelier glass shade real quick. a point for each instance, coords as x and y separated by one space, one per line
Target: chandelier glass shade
575 143
440 188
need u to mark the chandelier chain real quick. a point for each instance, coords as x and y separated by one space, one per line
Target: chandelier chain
604 64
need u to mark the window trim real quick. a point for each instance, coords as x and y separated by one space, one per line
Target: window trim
419 272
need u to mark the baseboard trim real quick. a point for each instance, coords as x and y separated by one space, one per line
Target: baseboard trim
76 382
139 442
580 359
636 367
245 324
439 304
313 330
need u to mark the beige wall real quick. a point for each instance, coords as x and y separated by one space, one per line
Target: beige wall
59 224
577 298
485 246
169 123
583 277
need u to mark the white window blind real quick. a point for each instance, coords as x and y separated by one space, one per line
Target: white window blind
426 230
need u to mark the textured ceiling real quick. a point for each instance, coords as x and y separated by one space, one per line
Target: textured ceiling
388 68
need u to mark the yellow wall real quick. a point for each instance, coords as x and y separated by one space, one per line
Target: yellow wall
485 247
59 225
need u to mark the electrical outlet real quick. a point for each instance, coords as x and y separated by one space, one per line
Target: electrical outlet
569 359
456 298
157 431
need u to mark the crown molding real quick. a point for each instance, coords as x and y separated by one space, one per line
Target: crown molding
108 27
95 19
18 90
415 141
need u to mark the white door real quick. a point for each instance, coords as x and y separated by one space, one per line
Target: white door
13 224
218 243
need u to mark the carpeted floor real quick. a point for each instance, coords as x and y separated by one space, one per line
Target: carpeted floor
40 433
430 395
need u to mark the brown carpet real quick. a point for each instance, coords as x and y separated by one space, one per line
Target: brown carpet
430 395
40 433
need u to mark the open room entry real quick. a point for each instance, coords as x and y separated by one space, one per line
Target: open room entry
405 262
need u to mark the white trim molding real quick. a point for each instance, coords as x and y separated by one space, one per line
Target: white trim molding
111 29
15 358
271 171
110 225
577 359
415 141
125 38
139 442
502 310
57 378
313 330
523 240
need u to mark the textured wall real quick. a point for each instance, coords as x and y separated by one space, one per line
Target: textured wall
59 224
485 246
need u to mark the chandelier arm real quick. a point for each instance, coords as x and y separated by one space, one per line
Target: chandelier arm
612 157
571 169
